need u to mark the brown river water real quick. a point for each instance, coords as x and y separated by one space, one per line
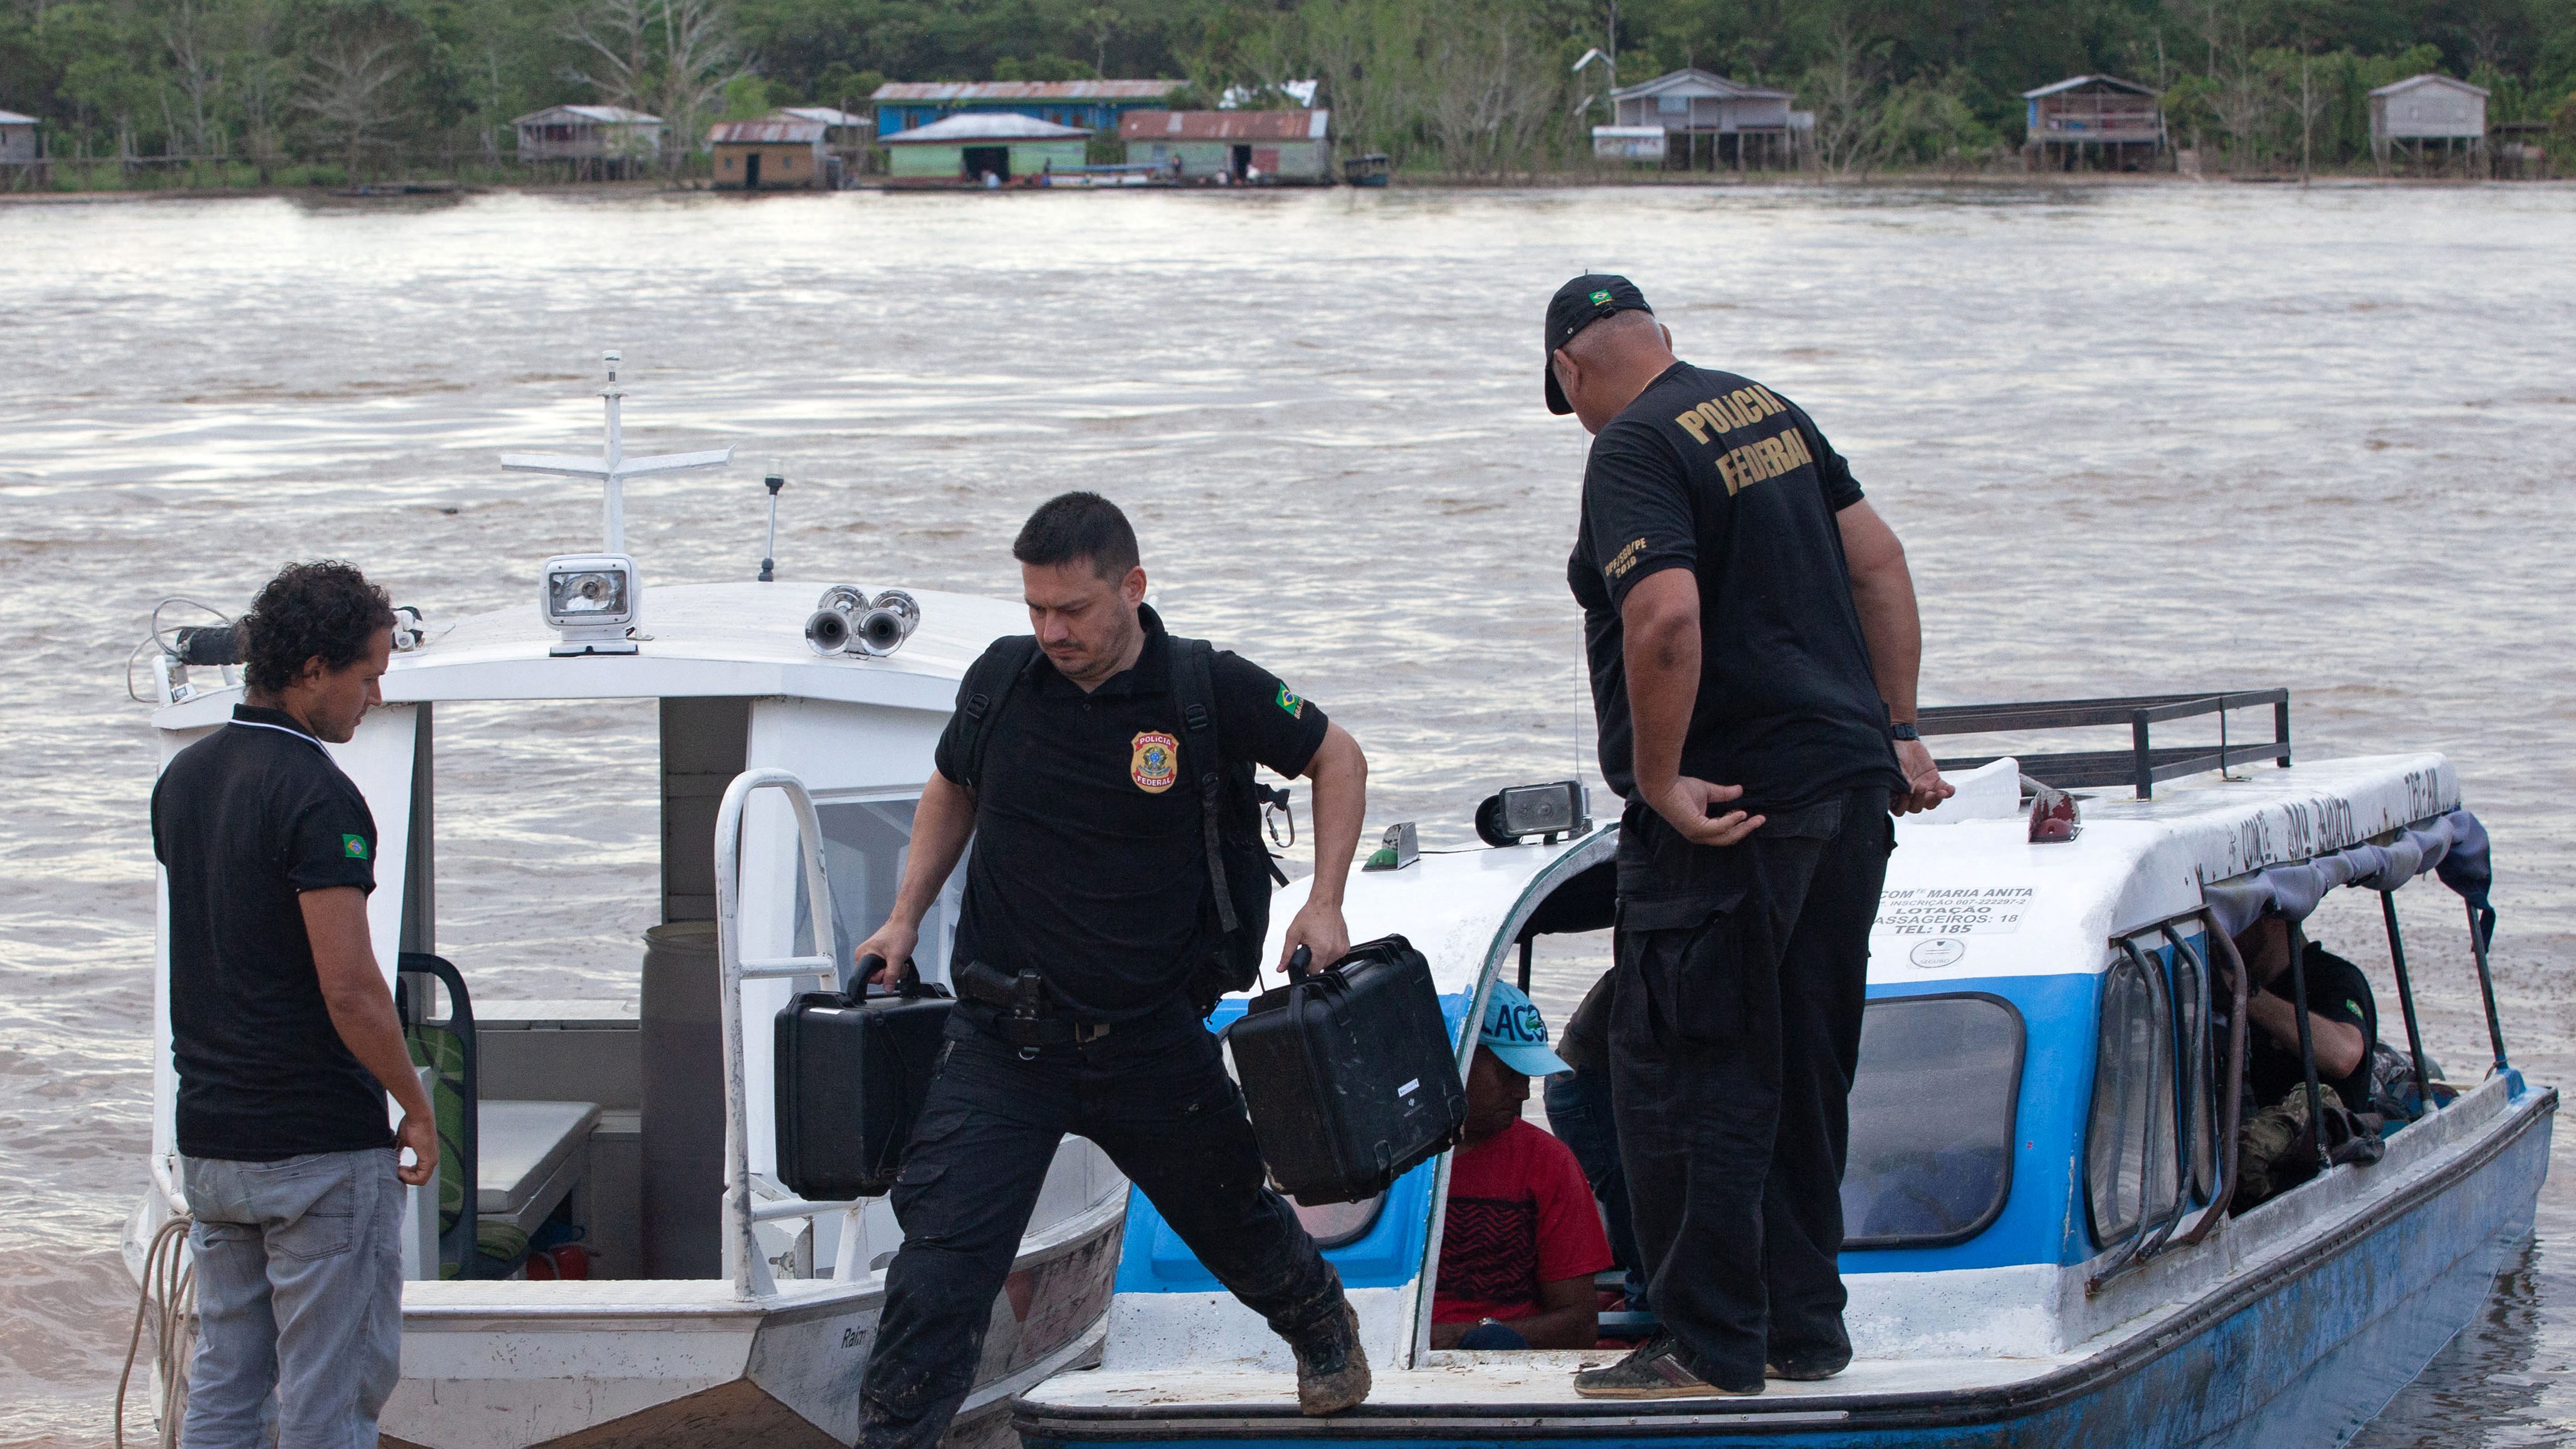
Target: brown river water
2136 439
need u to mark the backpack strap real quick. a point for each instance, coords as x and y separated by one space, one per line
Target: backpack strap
1195 687
987 687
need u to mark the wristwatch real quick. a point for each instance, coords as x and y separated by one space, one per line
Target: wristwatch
1903 732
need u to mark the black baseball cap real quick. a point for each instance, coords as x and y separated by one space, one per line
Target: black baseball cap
1577 305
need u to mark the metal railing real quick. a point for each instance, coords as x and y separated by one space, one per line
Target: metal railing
744 1262
2142 764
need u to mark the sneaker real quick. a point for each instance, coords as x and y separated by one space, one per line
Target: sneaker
1652 1371
1807 1368
1332 1367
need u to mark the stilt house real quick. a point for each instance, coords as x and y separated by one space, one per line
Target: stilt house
2093 120
598 143
1706 120
18 139
2428 108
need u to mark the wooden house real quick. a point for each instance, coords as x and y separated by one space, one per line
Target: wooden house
991 148
18 143
846 135
2405 116
1239 146
2093 120
771 155
1092 105
597 143
1702 116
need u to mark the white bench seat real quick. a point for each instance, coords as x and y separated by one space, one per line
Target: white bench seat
529 1155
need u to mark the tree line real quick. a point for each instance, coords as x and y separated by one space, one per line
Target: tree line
271 90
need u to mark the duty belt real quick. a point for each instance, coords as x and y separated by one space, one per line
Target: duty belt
1024 1015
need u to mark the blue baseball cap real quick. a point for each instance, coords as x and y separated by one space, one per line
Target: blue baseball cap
1517 1035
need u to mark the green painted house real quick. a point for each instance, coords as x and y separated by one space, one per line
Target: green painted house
966 149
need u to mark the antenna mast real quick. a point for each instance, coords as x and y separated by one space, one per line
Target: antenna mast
613 467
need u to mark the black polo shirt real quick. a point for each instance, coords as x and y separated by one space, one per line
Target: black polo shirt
1711 472
244 822
2337 991
1089 865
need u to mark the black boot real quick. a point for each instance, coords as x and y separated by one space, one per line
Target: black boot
1332 1368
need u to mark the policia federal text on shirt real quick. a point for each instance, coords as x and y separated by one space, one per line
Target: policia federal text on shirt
1090 870
1752 638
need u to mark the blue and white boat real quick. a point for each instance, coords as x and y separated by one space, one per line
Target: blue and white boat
2040 1250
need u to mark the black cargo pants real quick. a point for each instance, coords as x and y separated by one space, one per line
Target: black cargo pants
1155 1097
1742 974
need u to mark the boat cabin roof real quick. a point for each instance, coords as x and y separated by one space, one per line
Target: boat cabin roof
699 640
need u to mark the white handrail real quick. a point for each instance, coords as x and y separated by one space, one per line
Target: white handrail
744 1262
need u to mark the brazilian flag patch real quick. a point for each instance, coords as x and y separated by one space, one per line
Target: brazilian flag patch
1288 701
354 846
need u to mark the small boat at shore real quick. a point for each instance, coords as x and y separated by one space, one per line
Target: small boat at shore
2041 1161
632 1135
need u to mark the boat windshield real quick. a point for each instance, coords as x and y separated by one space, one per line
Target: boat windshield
1931 1120
865 845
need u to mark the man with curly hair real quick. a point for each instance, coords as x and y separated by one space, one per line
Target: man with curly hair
284 1035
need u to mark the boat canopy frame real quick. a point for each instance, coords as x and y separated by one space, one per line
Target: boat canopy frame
2139 766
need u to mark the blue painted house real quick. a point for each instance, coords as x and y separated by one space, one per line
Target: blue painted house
1093 105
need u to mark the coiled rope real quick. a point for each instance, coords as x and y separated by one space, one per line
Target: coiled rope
169 1296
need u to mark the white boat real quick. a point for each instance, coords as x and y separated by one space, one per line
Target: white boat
721 1308
2040 1249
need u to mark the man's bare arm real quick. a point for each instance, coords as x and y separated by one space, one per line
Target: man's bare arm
2339 1045
1338 783
1660 623
362 1012
941 825
1892 626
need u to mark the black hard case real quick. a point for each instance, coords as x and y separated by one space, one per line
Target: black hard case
852 1074
1350 1074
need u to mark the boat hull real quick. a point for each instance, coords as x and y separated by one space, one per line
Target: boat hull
2303 1356
678 1364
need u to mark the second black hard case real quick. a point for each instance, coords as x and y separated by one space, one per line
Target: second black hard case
851 1076
1350 1074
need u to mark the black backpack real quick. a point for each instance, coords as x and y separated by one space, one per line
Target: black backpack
1240 866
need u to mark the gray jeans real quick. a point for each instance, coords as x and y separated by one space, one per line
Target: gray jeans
299 1299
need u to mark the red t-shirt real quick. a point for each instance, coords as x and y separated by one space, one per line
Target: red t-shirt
1520 1214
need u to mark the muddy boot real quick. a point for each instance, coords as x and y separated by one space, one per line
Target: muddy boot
1332 1368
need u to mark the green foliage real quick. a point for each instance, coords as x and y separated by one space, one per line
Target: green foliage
269 89
746 98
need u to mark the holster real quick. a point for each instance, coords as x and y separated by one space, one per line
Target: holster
1019 1009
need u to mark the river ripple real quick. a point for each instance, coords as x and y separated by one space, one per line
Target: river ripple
2136 438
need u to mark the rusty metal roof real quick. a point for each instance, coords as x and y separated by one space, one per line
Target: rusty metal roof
765 133
969 92
1224 125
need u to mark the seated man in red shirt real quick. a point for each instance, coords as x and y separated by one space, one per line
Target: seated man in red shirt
1523 1237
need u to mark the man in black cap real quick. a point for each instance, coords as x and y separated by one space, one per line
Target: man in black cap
1753 644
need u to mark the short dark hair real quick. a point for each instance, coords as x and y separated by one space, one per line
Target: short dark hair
325 608
1078 525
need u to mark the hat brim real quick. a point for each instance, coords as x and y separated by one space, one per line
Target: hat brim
1530 1059
1556 402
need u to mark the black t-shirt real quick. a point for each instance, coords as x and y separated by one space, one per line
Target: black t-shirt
2337 991
1713 473
244 822
1089 865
